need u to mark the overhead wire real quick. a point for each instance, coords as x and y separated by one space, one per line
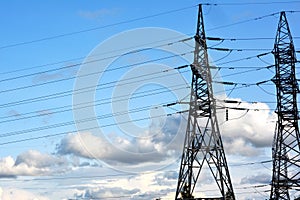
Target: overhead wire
2 135
244 58
250 163
90 74
82 63
241 39
236 88
91 61
55 177
133 20
234 49
136 51
96 28
243 21
112 197
84 90
84 120
77 130
234 101
88 89
103 101
121 67
244 72
63 94
249 20
250 3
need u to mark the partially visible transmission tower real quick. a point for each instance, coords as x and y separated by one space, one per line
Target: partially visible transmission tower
203 145
286 145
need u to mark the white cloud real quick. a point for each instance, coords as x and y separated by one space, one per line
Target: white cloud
247 132
14 193
31 163
37 159
111 192
162 144
142 186
8 168
243 135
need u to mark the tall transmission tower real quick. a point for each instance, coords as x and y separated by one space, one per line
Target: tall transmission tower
203 145
286 145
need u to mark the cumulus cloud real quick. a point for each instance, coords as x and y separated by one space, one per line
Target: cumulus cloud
8 168
37 159
142 186
30 163
108 192
166 178
163 143
247 132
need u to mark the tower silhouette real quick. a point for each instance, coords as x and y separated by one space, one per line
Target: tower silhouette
203 145
286 144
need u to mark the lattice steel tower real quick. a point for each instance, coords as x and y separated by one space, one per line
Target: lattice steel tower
203 144
286 145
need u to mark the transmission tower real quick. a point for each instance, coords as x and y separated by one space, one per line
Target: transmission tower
286 145
203 144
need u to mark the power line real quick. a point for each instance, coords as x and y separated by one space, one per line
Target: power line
233 67
68 123
136 51
246 71
107 85
126 174
90 74
89 104
245 58
244 21
249 3
235 88
87 62
243 83
108 115
81 130
92 61
242 108
240 49
250 163
233 101
62 94
95 28
237 39
82 90
249 20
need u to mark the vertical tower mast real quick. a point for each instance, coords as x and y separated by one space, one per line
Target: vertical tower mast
286 145
203 144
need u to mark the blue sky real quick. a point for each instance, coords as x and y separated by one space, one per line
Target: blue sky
38 37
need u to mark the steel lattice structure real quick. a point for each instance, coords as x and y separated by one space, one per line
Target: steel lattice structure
286 145
203 144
